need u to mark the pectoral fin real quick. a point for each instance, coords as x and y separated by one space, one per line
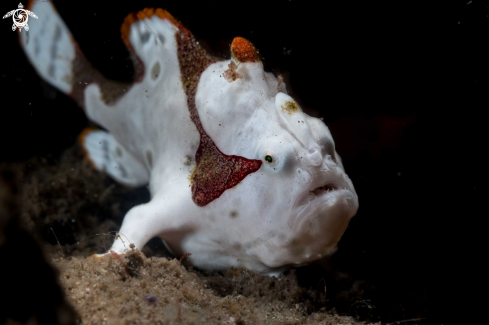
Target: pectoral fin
104 153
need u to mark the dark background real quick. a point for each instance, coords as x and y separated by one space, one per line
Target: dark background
402 85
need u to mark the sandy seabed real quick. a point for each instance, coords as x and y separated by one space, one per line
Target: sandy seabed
72 211
140 290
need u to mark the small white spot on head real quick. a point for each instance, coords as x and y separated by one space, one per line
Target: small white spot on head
315 158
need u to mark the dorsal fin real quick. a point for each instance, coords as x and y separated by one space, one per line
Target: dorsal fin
126 28
143 14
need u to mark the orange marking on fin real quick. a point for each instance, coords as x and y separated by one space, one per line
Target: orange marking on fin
143 14
243 51
125 28
81 140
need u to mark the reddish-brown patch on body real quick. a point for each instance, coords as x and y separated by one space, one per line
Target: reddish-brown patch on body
215 172
84 74
243 51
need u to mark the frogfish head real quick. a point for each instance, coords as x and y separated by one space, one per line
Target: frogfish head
296 207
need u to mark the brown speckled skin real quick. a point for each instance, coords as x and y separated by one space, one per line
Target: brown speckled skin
215 171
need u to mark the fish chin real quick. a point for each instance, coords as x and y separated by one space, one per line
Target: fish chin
322 221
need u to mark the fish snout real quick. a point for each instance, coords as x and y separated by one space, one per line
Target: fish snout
327 173
326 177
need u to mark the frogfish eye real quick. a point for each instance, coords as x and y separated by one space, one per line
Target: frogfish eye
269 158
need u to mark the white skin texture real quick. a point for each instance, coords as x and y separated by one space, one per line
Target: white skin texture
270 221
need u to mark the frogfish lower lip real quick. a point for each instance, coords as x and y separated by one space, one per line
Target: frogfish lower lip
325 200
312 195
324 188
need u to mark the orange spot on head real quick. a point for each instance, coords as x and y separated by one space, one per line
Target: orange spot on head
143 14
243 51
81 140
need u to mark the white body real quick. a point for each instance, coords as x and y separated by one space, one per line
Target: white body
277 217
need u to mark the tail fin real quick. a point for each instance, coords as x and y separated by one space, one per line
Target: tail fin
57 58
